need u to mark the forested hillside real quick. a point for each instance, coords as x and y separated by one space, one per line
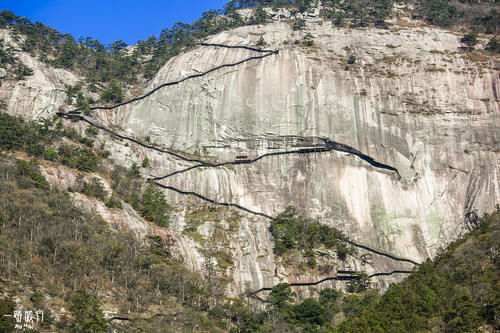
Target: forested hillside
53 254
87 233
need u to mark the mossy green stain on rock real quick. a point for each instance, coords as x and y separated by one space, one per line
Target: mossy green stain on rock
434 222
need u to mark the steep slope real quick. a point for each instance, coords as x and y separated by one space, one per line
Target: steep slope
458 291
409 100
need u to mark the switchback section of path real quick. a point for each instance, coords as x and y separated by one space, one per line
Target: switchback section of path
203 163
328 145
226 204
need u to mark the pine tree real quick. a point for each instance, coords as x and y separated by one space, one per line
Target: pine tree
470 40
154 206
87 315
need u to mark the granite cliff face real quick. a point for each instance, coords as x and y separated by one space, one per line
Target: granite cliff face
412 100
37 96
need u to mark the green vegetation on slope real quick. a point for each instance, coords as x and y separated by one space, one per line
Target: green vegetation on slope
50 248
44 237
457 292
46 140
114 64
292 232
48 244
117 65
154 206
36 139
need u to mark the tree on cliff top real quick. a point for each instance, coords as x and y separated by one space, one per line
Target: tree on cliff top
470 40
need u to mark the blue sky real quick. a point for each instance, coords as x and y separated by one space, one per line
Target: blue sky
110 20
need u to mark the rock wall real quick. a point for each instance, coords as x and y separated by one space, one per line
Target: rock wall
38 95
411 100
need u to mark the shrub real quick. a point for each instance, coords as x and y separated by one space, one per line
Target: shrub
127 185
439 12
134 168
359 285
309 312
493 45
299 24
113 203
15 133
261 42
67 153
281 296
339 19
290 231
470 40
260 16
30 170
87 160
308 40
87 315
113 94
7 308
86 141
7 56
50 155
22 71
91 130
94 188
11 131
71 92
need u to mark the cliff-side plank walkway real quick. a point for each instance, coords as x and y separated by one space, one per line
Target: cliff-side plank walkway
342 276
267 53
328 145
171 188
227 204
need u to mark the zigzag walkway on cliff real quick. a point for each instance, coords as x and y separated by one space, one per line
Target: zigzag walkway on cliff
329 144
171 188
227 204
345 276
